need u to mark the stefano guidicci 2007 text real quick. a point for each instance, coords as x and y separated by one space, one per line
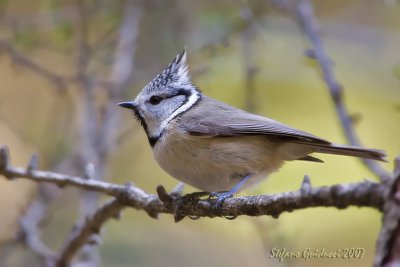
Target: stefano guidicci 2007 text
308 253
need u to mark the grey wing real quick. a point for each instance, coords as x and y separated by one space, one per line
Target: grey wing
213 118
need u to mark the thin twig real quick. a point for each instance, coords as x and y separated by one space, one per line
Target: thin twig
30 232
98 133
121 74
59 81
91 227
305 14
87 153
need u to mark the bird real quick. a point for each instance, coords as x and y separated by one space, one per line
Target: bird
216 147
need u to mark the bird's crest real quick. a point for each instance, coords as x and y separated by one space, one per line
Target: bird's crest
176 75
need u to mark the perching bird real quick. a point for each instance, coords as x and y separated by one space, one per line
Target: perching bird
216 147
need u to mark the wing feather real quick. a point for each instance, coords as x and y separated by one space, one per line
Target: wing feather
211 118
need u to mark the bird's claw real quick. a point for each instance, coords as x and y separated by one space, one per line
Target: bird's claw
220 198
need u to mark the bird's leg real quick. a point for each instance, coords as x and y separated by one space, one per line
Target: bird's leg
221 196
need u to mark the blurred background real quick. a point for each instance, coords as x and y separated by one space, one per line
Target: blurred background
64 64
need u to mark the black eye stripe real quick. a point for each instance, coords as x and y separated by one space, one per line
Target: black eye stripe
156 99
184 92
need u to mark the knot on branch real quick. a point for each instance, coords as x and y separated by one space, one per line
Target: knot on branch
4 158
33 164
306 186
130 195
336 91
178 203
94 239
5 162
172 201
89 171
164 196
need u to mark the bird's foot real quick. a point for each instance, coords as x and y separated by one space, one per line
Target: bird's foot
220 198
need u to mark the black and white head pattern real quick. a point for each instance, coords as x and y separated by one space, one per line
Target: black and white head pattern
169 94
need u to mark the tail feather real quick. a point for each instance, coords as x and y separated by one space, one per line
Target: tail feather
352 151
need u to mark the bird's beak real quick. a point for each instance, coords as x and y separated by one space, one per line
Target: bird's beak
129 105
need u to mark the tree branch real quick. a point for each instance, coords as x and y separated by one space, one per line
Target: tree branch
59 81
308 23
29 232
362 194
90 228
121 74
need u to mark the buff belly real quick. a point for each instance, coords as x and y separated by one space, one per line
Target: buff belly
217 163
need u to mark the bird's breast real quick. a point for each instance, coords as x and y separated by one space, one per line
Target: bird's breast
214 163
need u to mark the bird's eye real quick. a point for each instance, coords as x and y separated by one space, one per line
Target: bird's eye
155 100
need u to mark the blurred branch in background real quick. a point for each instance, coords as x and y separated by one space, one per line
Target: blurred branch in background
88 233
30 224
99 136
17 58
308 23
87 153
388 244
99 128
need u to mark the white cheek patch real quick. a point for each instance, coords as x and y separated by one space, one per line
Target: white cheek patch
152 127
156 132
